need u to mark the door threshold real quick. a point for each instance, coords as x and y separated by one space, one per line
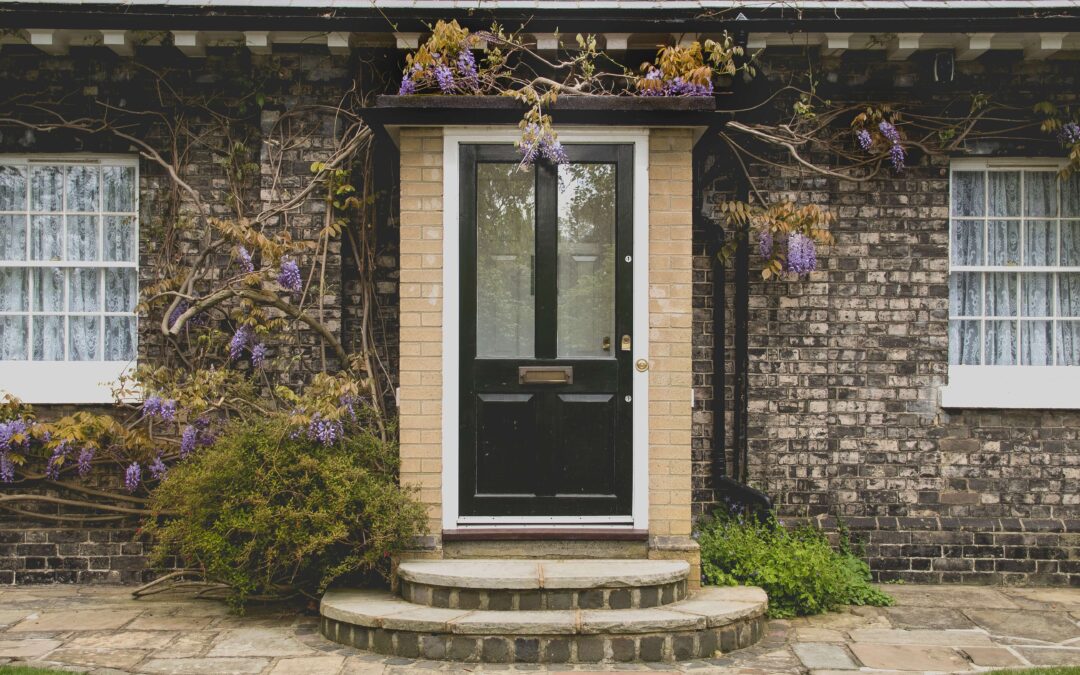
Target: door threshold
547 533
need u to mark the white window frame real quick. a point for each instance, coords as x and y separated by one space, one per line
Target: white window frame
453 138
72 382
1013 386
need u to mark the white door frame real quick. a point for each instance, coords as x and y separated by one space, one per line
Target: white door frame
452 138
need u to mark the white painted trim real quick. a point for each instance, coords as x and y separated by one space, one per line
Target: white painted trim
1012 387
72 382
545 520
452 138
68 382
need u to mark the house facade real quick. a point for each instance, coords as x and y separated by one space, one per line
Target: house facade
577 370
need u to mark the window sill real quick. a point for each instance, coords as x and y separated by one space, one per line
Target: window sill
1012 387
61 382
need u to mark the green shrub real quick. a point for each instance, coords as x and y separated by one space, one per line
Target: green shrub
271 512
799 569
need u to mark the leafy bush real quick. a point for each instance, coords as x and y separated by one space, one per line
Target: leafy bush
799 569
272 512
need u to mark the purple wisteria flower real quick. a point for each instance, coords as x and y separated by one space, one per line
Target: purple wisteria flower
865 139
162 408
258 355
897 155
246 263
132 477
8 432
289 276
802 254
158 468
765 244
7 468
59 453
84 462
537 141
323 430
239 340
466 67
408 86
188 438
445 78
1069 134
680 87
889 131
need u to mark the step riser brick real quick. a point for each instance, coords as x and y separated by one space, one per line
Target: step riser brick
651 647
529 600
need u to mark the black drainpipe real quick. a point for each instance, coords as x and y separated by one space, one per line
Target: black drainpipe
732 490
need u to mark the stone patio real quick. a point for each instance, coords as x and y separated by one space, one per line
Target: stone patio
102 630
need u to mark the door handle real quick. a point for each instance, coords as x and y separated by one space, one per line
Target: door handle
545 375
624 344
606 343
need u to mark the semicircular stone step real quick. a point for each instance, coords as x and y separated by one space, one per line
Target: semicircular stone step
714 620
528 585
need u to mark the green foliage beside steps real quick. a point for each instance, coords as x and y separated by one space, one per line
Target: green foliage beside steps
799 569
272 513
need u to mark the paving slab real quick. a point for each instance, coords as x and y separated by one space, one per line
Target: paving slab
813 634
128 639
1047 598
309 665
12 616
221 666
816 655
992 657
935 618
944 638
104 619
187 645
1050 656
27 648
909 657
1053 627
267 642
170 622
960 597
111 658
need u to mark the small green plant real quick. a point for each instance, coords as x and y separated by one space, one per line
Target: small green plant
799 568
272 512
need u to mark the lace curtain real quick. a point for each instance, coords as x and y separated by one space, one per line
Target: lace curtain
68 268
1013 299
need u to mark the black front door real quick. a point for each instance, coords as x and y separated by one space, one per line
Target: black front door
546 361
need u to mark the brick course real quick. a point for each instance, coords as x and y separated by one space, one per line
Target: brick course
846 368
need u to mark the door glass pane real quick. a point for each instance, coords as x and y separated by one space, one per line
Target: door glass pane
505 261
586 300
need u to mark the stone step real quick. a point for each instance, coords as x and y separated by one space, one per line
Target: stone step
528 585
714 620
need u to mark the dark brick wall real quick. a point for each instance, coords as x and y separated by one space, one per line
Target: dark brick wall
846 369
293 83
